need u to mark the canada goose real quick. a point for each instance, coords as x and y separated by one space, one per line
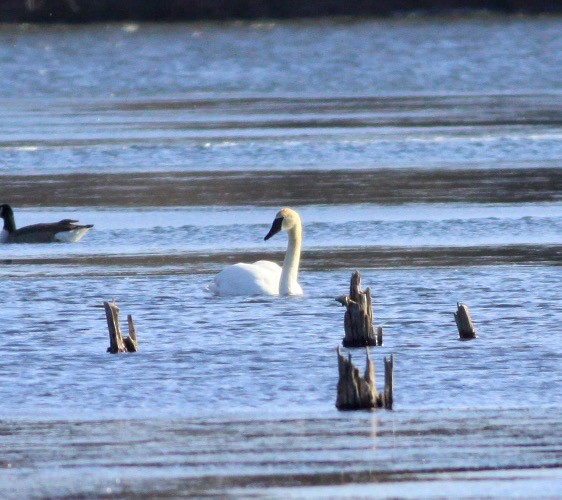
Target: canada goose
264 277
66 230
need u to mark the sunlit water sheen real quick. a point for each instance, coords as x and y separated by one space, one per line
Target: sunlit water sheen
424 153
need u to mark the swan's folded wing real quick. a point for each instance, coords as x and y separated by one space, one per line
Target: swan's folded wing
271 267
248 279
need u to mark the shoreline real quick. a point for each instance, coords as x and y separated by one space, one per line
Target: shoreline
88 11
200 188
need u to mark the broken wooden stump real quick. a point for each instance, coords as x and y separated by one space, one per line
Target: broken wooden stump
388 382
358 318
356 392
464 322
118 343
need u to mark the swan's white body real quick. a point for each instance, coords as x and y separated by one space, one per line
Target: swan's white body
264 277
261 277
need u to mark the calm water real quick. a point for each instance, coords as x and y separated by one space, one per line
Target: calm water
424 153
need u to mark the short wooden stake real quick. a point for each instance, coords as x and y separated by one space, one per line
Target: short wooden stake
118 343
464 322
355 392
388 382
358 318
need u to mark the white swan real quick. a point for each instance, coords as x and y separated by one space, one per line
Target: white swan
264 277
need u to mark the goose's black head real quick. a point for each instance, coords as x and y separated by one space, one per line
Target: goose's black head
7 214
6 211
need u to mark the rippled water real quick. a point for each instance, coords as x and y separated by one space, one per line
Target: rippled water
424 153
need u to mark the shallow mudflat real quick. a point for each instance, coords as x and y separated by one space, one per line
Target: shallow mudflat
316 187
346 455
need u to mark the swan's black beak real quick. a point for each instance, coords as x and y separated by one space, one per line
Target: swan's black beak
275 228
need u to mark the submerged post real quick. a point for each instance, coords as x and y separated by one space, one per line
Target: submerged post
358 318
355 392
464 322
118 343
388 396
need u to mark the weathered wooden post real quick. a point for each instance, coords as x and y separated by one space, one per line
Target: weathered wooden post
355 392
388 382
118 343
358 318
464 322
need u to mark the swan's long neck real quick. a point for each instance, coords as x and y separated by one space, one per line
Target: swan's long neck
290 272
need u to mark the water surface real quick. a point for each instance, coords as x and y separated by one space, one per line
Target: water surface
424 153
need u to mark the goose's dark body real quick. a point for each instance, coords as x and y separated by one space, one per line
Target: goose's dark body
66 230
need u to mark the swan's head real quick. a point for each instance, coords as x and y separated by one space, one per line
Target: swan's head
285 220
